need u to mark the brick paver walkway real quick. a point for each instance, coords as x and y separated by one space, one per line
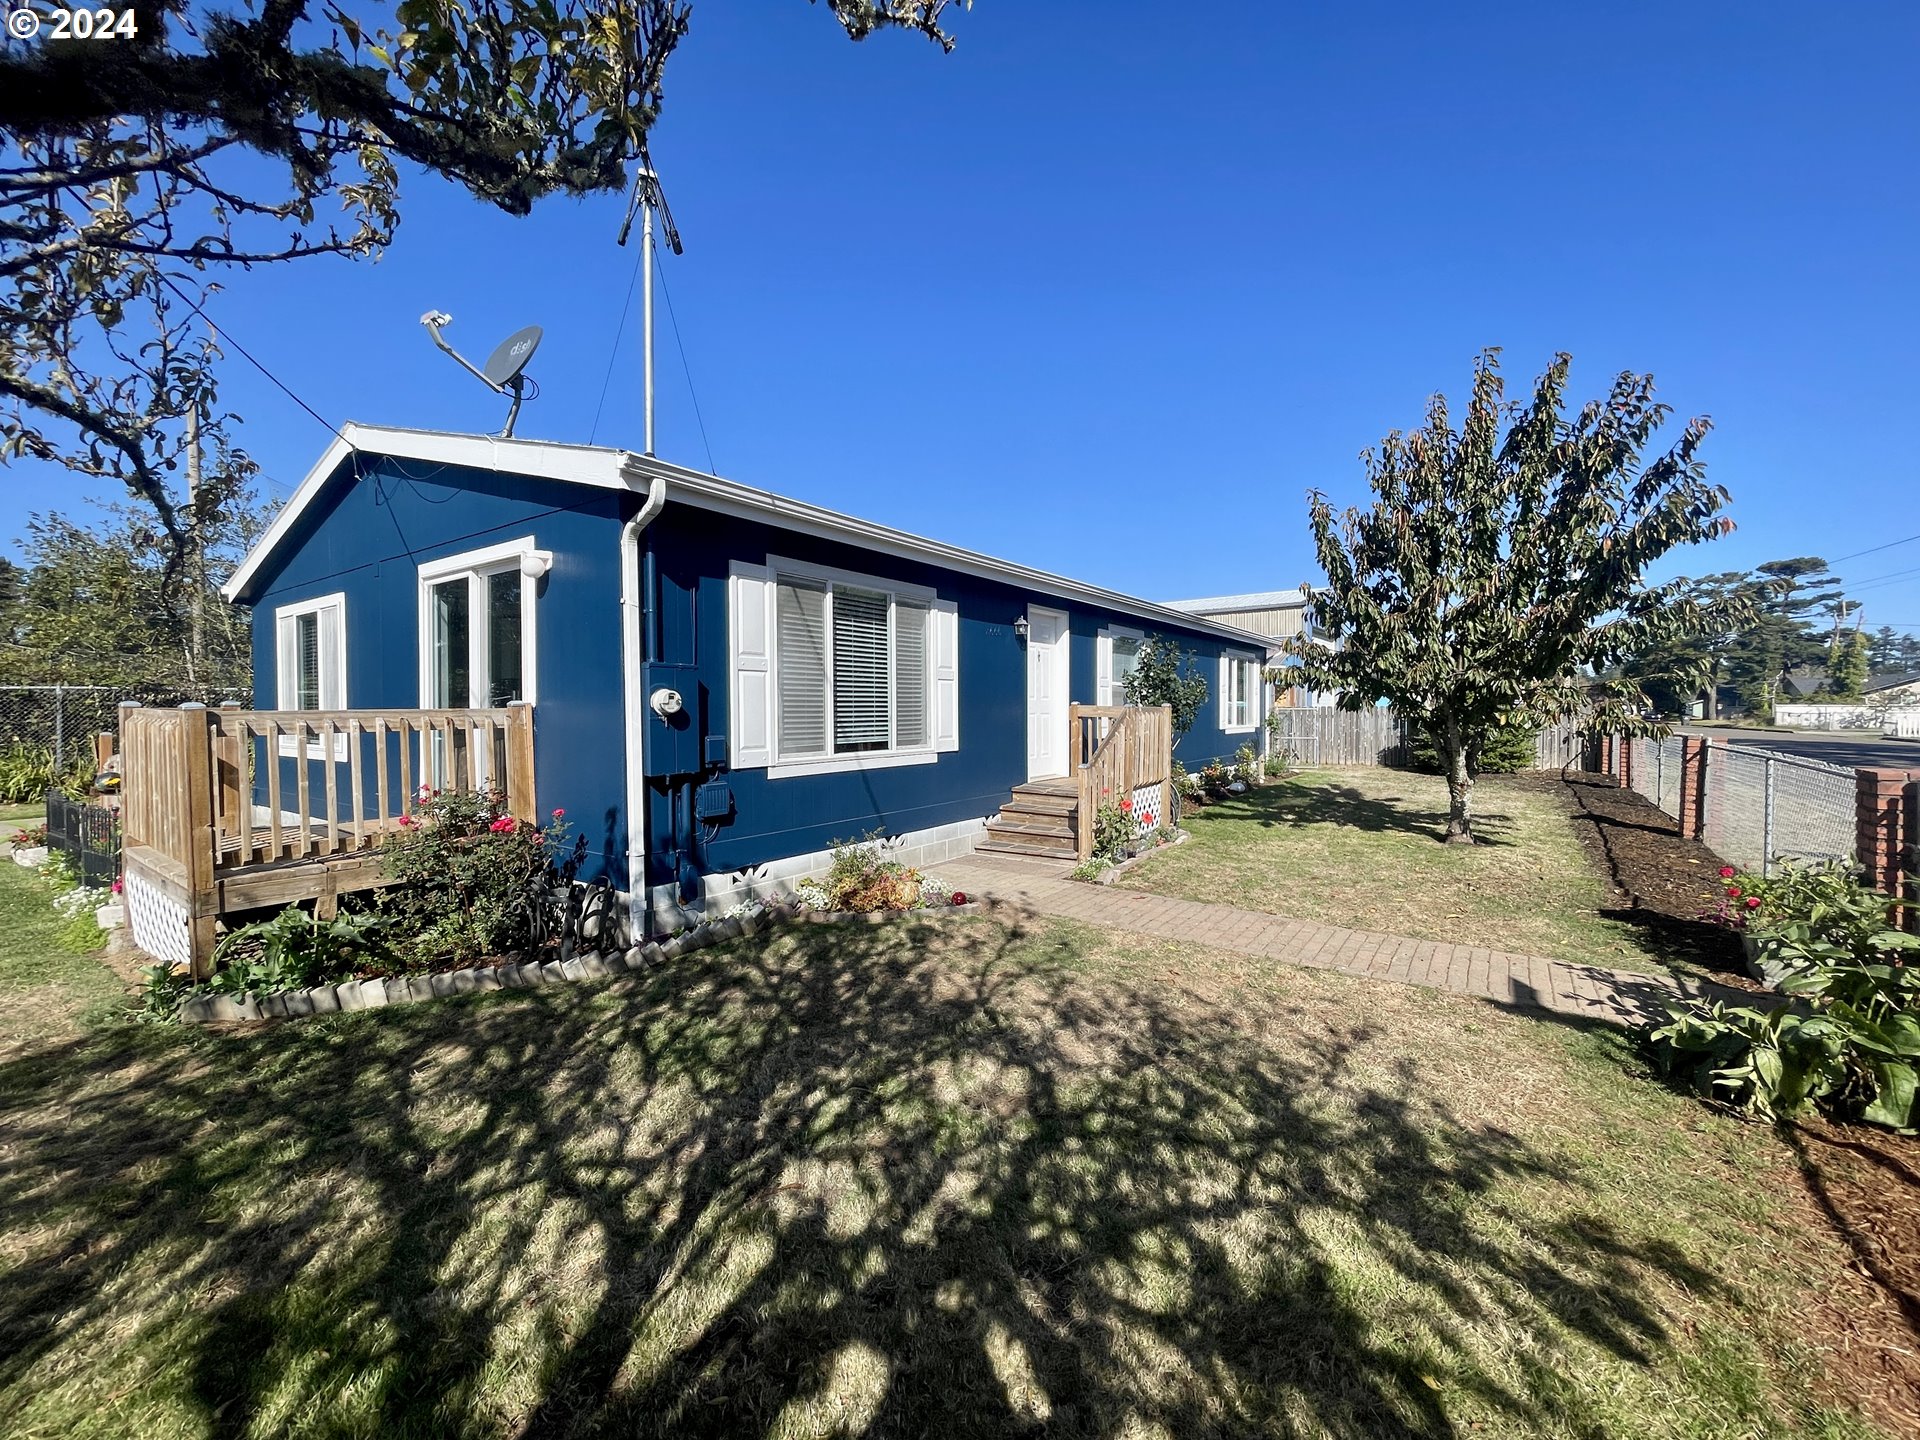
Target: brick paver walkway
1589 992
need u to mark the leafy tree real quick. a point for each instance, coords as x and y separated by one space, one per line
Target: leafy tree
1781 636
1162 676
100 605
1496 574
224 136
1847 666
1676 670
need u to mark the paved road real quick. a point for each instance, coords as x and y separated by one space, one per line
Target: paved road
1850 749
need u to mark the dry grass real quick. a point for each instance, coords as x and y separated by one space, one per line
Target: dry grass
951 1179
1358 848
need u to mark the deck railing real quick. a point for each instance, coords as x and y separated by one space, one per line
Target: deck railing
1120 752
226 809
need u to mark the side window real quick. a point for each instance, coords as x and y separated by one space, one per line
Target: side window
310 644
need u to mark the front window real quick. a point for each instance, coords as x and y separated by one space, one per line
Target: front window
851 666
1126 659
477 628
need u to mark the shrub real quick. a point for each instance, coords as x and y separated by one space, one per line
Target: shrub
1214 776
28 772
1184 785
467 877
863 879
1509 749
34 837
1246 764
1114 829
294 950
1162 676
1825 897
1848 1037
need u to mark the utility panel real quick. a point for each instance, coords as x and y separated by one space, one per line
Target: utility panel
673 729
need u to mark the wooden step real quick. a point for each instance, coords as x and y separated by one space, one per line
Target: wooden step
1041 805
1067 788
1048 842
1006 847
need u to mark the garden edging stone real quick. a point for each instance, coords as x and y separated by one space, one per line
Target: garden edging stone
376 993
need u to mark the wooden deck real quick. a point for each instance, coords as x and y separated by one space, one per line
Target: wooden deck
230 810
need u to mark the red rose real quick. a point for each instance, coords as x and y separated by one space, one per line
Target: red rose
558 814
1726 872
1734 891
1753 902
959 897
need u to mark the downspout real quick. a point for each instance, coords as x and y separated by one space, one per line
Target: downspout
633 689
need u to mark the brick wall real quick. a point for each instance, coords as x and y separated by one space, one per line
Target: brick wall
1887 829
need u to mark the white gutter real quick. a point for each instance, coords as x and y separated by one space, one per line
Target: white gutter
632 685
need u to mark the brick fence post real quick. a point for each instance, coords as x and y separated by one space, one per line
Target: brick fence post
1693 787
1884 838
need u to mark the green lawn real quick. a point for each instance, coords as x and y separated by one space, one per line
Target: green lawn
1359 848
946 1179
16 813
49 984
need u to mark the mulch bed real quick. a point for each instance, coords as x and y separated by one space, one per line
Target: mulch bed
1865 1181
1666 885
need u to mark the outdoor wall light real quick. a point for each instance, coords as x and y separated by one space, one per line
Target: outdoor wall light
535 563
1020 628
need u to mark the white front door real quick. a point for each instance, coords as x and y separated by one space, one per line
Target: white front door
1047 642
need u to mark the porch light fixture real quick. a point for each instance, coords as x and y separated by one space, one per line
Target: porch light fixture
1020 628
534 564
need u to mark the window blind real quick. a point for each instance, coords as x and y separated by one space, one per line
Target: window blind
800 629
306 687
862 671
910 674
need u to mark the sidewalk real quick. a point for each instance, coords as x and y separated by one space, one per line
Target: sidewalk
1586 992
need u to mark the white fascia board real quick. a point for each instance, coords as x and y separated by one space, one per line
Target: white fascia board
610 469
729 497
538 459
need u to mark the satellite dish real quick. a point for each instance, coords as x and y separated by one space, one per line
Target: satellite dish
511 355
502 374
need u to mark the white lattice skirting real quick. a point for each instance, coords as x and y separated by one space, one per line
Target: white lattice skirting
1146 808
157 919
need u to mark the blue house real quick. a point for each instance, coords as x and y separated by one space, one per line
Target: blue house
724 681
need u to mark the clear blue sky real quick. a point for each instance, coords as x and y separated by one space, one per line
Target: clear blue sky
1107 290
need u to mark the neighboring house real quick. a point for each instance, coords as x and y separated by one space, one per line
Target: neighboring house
834 676
1888 691
1888 703
1277 614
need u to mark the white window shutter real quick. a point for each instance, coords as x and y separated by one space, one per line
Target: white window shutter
1103 662
1226 697
749 651
283 651
333 660
946 675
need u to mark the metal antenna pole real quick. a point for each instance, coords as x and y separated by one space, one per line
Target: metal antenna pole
646 296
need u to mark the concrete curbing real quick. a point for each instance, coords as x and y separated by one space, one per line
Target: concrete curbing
350 995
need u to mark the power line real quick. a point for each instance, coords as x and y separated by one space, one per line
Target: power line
1875 550
686 369
248 355
614 354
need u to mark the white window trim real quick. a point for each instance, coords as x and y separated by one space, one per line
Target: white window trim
1109 690
1228 659
780 768
478 564
283 700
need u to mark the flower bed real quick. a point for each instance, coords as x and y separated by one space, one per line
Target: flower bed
1845 1040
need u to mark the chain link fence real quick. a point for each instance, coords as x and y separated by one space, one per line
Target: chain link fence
47 733
1763 806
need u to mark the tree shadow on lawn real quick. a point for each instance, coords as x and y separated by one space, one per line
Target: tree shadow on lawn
1292 804
820 1183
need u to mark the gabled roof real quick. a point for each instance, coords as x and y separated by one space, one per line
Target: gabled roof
1891 682
1230 604
611 469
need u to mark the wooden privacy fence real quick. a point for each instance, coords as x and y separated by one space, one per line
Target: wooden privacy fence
1117 752
1326 736
230 809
